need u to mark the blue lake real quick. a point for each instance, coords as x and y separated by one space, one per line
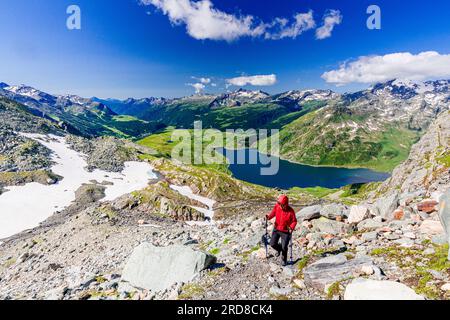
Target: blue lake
296 175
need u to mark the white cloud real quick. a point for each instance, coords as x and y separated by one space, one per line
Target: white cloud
203 21
330 20
259 80
403 65
302 22
199 87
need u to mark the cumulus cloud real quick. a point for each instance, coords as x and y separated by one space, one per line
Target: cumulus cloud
199 87
302 22
258 80
330 20
403 65
205 22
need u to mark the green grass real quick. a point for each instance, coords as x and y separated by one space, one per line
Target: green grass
189 291
418 266
317 192
445 159
162 143
214 251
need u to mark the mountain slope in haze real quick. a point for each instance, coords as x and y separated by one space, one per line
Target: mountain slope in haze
78 115
374 128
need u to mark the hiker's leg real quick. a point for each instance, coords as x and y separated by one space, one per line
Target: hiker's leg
274 241
285 239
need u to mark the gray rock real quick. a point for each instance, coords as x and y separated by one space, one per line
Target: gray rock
391 236
329 270
159 268
329 226
288 271
444 214
277 291
385 207
365 289
358 214
439 239
370 236
404 242
309 213
331 211
369 224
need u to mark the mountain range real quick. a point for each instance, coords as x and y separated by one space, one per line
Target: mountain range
372 128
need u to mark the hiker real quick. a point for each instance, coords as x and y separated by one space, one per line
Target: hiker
285 223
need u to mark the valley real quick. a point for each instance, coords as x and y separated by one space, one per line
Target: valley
90 196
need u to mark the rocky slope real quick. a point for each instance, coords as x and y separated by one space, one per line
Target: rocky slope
426 171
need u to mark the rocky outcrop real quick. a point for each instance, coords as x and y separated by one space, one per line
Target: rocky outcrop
105 153
427 168
159 268
18 153
160 200
366 289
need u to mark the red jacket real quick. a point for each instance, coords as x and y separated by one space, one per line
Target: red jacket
284 219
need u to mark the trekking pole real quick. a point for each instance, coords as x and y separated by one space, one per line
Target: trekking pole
266 240
292 245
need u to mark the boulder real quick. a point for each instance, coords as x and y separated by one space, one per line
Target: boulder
309 213
159 268
332 269
329 226
369 224
358 214
431 228
385 207
334 211
369 236
365 289
399 214
444 214
427 206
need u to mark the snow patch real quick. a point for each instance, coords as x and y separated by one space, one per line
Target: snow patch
209 213
24 207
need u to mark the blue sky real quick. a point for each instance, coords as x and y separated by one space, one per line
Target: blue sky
125 49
